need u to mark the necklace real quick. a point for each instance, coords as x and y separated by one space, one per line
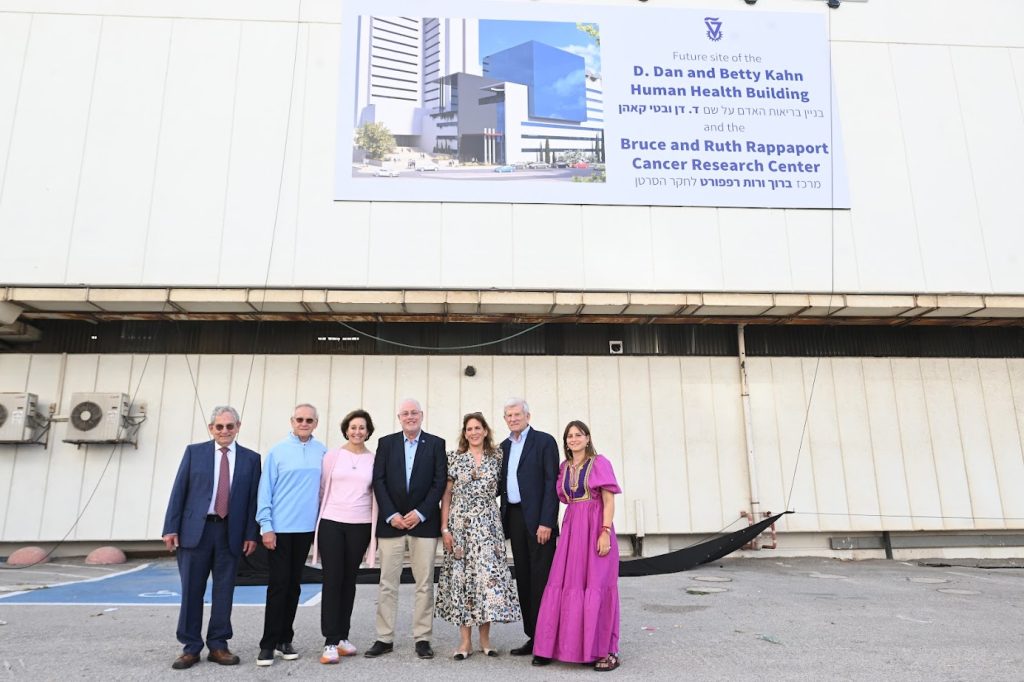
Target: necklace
352 458
475 471
574 475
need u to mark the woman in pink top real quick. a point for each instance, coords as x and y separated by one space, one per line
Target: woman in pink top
344 537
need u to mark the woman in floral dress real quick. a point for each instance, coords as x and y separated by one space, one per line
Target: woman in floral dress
578 620
475 587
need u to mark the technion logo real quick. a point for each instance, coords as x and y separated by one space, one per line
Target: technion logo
714 28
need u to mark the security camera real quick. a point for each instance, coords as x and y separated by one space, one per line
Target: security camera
750 2
834 4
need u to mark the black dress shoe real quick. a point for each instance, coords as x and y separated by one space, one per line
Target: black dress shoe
185 661
524 650
423 649
379 648
286 651
540 660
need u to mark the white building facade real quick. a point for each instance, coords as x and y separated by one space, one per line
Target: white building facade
171 165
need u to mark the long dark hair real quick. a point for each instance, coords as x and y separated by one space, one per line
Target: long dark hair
591 452
488 444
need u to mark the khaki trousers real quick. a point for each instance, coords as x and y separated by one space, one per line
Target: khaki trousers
421 555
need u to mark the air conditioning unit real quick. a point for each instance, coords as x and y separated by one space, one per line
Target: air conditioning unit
101 418
20 421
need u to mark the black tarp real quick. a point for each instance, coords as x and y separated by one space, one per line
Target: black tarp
691 557
252 570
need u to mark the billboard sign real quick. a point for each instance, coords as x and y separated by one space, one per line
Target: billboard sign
501 102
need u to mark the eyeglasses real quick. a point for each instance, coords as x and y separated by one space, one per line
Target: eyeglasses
409 413
304 420
224 427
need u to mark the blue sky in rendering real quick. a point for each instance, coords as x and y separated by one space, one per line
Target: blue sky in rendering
497 35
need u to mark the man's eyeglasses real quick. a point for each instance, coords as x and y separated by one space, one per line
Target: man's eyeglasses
304 420
224 427
409 413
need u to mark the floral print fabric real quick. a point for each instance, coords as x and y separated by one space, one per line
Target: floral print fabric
476 588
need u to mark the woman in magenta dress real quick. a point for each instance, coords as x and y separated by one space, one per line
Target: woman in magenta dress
578 620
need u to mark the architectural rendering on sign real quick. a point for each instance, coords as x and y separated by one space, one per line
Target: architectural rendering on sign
465 97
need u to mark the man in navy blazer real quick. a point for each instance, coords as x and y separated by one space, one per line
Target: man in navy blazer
529 510
211 522
410 472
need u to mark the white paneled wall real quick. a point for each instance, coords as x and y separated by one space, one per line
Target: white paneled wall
893 444
896 444
191 143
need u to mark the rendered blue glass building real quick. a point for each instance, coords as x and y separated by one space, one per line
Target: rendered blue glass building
556 79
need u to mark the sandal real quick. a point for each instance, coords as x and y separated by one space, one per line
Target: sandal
608 663
462 655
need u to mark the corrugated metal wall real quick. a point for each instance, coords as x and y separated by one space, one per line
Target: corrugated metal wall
936 438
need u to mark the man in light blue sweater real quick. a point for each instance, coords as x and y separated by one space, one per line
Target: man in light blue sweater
286 509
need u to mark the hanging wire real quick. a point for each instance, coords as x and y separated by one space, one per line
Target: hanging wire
832 264
712 536
915 516
467 347
277 207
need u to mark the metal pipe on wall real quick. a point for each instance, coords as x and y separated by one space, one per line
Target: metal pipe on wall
748 428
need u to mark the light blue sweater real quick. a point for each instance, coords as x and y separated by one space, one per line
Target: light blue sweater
289 495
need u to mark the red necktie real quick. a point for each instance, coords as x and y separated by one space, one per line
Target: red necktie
220 505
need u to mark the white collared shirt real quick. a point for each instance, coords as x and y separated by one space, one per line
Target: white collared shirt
216 471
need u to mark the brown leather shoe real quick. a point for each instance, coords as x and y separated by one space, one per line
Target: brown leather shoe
185 661
222 656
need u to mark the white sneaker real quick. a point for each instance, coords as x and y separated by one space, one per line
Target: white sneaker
330 654
346 648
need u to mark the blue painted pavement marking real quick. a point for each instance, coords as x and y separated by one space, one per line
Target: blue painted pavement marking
157 584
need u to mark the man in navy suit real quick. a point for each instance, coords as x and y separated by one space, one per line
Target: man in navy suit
529 510
211 522
410 472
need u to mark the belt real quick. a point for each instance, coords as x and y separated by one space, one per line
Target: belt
213 518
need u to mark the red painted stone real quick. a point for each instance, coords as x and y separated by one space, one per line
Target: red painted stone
106 555
27 556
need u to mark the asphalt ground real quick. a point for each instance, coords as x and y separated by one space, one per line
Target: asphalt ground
776 619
